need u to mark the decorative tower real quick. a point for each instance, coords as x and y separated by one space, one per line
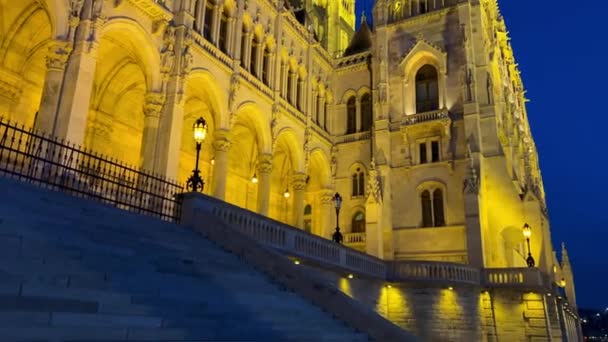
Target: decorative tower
333 22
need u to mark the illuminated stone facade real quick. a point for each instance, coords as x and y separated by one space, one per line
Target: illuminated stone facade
421 125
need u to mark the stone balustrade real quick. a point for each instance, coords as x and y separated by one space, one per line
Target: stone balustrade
292 241
429 271
440 114
510 277
353 238
310 248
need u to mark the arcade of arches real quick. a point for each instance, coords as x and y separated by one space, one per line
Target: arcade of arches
111 95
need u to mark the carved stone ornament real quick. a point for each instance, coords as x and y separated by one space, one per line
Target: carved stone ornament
167 51
154 104
374 186
221 144
265 163
235 85
58 55
298 181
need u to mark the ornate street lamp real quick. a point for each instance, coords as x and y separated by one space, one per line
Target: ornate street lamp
527 233
337 237
195 182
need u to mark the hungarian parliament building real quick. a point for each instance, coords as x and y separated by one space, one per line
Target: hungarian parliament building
418 121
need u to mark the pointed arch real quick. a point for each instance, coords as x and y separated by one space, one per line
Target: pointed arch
422 54
129 34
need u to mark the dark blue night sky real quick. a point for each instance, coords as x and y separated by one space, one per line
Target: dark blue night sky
562 51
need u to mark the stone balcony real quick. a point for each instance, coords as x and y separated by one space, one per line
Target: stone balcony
436 115
436 120
355 241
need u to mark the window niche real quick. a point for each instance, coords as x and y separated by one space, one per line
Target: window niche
432 206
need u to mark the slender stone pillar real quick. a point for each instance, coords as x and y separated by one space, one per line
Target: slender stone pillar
152 110
221 145
264 171
56 62
473 225
299 186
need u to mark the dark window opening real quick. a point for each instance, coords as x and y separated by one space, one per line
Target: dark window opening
208 19
427 89
351 116
435 151
358 223
366 113
223 37
438 208
423 158
427 210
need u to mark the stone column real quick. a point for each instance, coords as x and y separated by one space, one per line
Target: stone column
75 96
328 214
299 186
264 171
230 37
215 23
473 225
56 62
152 109
283 81
221 145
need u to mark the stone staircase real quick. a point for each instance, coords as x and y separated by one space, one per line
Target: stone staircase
77 270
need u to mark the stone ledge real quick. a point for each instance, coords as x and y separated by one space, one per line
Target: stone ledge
309 286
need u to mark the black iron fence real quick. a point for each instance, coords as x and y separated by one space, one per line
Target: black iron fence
31 156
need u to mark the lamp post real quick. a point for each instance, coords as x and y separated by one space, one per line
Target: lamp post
337 237
195 182
527 233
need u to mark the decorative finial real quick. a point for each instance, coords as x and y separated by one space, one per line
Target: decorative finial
363 18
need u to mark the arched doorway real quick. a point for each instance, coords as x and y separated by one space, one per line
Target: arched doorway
123 96
198 103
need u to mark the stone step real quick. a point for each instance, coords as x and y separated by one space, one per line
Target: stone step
89 334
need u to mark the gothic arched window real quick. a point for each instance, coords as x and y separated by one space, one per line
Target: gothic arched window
266 66
351 115
299 93
438 216
244 45
209 13
366 113
290 80
432 208
427 89
358 223
223 34
255 46
358 183
427 209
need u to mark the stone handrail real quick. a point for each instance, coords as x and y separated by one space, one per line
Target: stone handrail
509 277
304 246
354 238
426 116
291 241
434 272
